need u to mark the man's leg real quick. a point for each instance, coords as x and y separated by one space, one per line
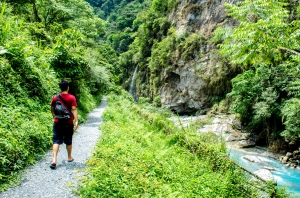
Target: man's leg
57 140
55 149
68 141
69 150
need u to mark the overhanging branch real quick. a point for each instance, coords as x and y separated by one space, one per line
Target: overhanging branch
290 50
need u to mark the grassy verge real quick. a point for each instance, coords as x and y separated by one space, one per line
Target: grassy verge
142 154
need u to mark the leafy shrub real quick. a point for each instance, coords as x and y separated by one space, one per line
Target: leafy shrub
25 135
157 101
143 100
265 46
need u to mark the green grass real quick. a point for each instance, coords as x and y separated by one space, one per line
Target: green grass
142 154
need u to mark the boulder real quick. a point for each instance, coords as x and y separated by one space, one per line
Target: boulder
236 136
264 174
297 152
269 168
252 158
289 154
246 144
285 159
219 129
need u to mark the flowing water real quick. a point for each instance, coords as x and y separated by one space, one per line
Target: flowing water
285 177
132 90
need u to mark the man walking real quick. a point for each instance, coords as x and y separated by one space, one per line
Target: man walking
63 129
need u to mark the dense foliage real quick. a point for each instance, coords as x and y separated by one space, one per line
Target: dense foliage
263 49
42 42
143 154
121 24
150 35
266 46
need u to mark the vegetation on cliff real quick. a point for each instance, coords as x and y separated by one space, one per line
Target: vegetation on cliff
266 47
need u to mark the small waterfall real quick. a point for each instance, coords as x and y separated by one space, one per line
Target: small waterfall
132 90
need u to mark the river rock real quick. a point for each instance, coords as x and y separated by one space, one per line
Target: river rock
287 165
269 168
264 174
293 165
223 126
237 136
297 152
219 129
285 159
246 144
252 158
289 154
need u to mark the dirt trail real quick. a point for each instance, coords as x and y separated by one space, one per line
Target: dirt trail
40 181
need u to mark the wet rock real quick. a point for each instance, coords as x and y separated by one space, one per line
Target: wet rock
236 136
219 129
285 159
246 144
252 158
236 124
269 168
289 154
297 157
264 174
287 165
297 152
293 165
223 126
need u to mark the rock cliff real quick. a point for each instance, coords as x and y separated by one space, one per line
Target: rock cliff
184 88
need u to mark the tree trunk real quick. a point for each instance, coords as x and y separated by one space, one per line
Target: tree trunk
35 12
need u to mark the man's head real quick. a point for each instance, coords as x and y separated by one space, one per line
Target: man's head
64 85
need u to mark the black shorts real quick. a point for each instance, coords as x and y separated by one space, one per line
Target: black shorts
62 133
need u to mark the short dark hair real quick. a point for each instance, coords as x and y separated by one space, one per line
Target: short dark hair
63 85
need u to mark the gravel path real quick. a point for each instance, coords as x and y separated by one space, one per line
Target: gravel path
40 181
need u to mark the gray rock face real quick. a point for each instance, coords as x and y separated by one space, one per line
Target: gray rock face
183 90
200 15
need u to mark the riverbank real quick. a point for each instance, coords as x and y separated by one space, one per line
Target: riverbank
242 150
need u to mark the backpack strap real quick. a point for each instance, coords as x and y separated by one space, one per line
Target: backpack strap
58 97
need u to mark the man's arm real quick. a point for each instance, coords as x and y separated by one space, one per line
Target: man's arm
52 111
74 112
